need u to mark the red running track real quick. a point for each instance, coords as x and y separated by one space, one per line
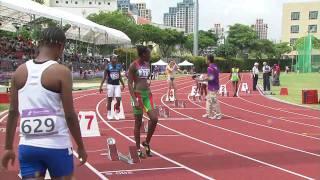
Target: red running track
257 138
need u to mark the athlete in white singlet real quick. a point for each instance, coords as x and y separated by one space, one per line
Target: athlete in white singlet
41 94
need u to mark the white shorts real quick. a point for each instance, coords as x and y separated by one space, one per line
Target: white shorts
113 90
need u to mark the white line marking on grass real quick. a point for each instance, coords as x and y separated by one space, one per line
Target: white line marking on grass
146 169
158 154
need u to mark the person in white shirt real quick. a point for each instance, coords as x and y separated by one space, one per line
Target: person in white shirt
266 69
255 75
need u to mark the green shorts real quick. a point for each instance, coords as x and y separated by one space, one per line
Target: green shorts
145 100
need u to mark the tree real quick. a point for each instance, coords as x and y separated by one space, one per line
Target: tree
241 37
206 39
280 49
261 48
120 21
168 39
226 51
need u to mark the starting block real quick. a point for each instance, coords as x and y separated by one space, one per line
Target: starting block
223 90
171 97
180 104
114 155
163 112
112 150
245 88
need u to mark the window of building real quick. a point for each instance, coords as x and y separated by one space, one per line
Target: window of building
292 41
57 2
295 15
295 29
313 15
76 2
90 2
99 3
67 2
108 3
312 28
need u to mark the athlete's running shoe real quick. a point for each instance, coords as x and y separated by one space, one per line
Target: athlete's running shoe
141 154
147 147
109 115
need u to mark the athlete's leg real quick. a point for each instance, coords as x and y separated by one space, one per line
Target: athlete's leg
117 94
137 126
153 115
174 88
31 167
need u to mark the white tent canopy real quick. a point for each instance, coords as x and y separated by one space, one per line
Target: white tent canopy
159 63
185 63
24 11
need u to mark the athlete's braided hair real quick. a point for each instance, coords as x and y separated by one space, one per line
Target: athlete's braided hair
141 50
52 36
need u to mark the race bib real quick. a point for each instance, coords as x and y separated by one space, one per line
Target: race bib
38 122
144 73
114 75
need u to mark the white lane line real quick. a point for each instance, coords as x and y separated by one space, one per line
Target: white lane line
3 112
257 124
146 169
158 154
94 170
160 135
229 151
281 109
252 137
269 116
223 149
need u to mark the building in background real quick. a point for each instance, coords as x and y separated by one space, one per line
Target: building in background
261 29
181 16
139 8
83 7
218 30
299 19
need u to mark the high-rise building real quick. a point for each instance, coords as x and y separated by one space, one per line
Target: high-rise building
181 16
83 7
139 8
218 30
261 29
299 19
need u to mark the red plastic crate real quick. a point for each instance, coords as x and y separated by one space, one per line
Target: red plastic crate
309 96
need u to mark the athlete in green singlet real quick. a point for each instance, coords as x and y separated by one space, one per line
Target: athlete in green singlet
141 97
235 78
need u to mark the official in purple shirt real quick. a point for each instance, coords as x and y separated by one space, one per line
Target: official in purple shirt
212 104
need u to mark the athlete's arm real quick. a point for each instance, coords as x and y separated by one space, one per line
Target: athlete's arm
105 76
131 75
70 115
11 125
121 80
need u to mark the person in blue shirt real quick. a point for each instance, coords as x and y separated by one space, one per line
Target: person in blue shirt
113 77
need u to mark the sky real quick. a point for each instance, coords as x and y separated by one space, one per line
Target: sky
229 12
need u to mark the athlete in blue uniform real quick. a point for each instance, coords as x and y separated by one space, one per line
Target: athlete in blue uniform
113 76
